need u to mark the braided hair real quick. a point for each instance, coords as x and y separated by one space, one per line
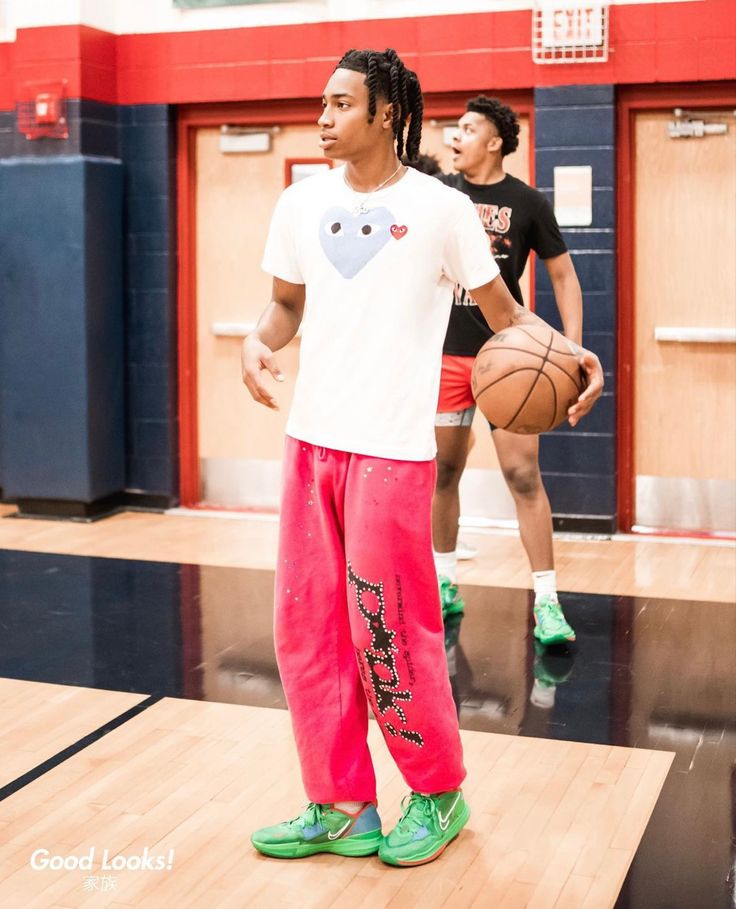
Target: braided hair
386 75
501 116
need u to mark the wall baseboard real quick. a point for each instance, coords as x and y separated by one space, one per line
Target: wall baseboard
88 512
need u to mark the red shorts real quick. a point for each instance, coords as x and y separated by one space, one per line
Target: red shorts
455 389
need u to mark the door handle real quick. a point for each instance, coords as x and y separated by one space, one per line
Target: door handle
695 335
237 329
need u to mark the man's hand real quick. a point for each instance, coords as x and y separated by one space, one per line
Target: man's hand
277 326
255 358
593 372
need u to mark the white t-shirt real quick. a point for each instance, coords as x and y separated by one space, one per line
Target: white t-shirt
378 297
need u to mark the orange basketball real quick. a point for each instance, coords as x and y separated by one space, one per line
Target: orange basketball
525 378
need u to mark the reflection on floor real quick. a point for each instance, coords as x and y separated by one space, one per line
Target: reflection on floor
629 566
645 673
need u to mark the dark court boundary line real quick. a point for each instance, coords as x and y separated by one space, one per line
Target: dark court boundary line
31 775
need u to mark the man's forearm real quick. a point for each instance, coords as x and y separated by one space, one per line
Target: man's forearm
277 325
499 308
524 316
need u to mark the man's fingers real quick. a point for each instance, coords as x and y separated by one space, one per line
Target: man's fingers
591 366
261 396
269 363
256 359
578 411
259 392
593 373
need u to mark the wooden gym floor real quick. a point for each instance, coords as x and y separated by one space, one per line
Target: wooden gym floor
165 733
553 824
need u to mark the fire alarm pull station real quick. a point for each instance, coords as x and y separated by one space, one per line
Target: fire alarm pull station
41 111
47 108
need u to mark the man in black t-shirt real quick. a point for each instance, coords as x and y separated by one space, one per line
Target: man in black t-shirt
517 219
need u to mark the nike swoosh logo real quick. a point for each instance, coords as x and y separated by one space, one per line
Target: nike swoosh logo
444 821
339 833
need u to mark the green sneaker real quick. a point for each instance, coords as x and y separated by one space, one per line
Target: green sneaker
429 823
551 625
322 828
452 602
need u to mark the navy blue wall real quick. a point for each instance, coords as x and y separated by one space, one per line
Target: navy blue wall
148 153
575 126
61 338
142 139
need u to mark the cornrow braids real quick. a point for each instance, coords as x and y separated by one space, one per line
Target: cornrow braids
416 105
502 117
387 76
372 83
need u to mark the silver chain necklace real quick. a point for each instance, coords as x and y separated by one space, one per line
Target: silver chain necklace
363 207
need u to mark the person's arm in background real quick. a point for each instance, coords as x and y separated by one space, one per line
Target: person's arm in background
568 296
548 243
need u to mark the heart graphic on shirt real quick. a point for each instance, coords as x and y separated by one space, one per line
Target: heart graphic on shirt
397 232
350 241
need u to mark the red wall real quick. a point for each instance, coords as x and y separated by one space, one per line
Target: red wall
668 42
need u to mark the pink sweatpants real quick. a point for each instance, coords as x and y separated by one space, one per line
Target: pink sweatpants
358 620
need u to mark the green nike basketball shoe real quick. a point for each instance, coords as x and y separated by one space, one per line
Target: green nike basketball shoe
551 626
322 828
452 602
429 823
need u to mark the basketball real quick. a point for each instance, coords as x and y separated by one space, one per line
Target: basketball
525 378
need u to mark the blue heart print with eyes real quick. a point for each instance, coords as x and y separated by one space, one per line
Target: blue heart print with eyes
350 241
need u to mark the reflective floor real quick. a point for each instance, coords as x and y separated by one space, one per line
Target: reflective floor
649 673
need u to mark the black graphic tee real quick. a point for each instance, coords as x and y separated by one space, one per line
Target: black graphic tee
517 218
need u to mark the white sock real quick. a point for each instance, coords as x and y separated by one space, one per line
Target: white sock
445 563
349 807
545 584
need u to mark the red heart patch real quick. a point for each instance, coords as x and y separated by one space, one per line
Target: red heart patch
397 232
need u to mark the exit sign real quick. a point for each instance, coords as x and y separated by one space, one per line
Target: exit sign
573 26
570 31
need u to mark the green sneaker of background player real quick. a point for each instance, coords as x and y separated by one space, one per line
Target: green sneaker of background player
452 602
551 625
322 828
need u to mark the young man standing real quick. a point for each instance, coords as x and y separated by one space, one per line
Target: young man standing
365 256
516 219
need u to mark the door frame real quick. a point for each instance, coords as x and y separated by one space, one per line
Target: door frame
632 100
250 113
190 119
